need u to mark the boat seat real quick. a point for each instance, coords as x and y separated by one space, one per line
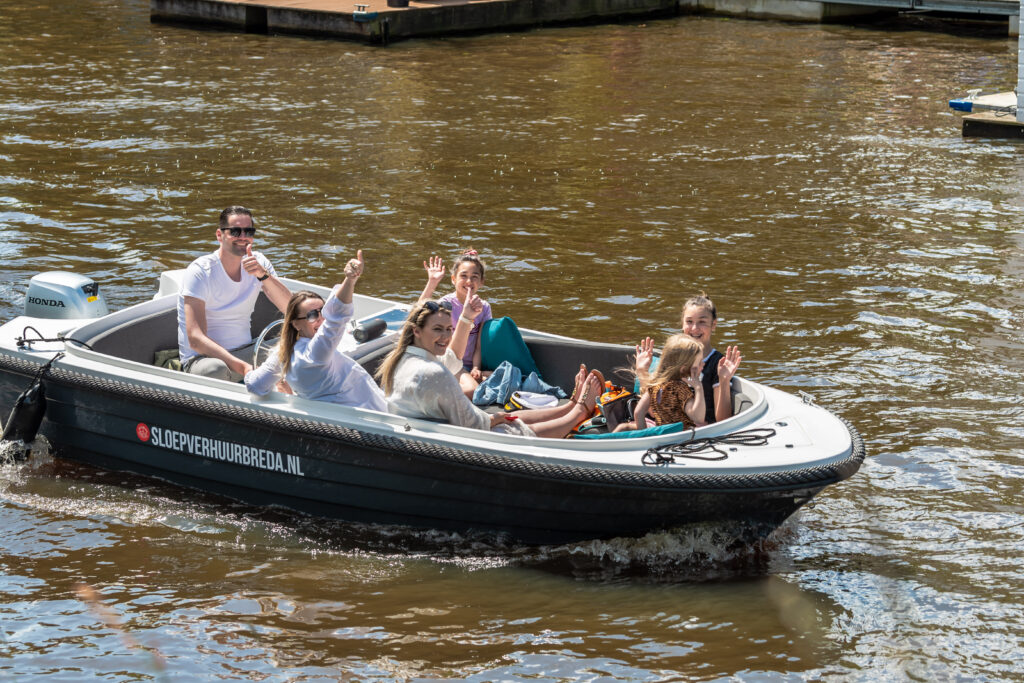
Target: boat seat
740 402
139 339
552 359
372 361
559 360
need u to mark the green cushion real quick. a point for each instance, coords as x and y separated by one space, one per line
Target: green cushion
500 341
654 365
637 433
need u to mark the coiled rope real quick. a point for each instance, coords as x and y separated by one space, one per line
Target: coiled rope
666 454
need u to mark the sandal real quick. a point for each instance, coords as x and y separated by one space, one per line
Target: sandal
587 397
576 386
584 402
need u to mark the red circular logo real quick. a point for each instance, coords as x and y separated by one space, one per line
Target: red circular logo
142 431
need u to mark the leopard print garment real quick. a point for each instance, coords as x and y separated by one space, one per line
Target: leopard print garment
668 403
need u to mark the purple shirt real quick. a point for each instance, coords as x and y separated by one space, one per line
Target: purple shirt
474 334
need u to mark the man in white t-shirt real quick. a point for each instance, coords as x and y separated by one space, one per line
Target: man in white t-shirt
218 295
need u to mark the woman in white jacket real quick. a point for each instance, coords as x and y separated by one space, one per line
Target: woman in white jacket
307 357
419 381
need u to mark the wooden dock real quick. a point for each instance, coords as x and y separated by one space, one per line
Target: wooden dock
383 21
377 21
991 124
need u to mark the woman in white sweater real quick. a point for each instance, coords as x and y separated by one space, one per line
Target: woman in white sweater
307 355
418 377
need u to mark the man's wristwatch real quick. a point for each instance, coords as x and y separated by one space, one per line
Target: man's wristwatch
265 276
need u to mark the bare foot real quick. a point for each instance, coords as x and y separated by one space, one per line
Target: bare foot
577 389
591 390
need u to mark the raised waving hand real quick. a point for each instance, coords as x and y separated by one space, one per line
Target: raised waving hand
435 273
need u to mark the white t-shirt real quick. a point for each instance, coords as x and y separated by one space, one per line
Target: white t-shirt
229 304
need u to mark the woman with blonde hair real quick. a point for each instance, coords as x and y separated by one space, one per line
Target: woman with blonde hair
307 357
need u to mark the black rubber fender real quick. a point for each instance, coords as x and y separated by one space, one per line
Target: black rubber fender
26 415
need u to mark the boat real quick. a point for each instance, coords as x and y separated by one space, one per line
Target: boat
109 405
974 101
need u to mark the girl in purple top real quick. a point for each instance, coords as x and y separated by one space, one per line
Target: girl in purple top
467 277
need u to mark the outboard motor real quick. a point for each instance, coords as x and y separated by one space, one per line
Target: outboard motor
52 295
64 295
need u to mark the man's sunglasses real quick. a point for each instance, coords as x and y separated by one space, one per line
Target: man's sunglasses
314 314
238 232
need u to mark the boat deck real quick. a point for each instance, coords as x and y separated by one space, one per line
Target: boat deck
1005 102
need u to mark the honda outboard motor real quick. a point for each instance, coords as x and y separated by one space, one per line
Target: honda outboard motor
52 295
64 295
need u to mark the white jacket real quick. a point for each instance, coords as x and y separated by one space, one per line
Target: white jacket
318 370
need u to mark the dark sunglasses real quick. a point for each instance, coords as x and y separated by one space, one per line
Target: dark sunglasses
313 315
435 306
238 232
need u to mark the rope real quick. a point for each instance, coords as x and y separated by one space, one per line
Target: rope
663 455
24 341
45 368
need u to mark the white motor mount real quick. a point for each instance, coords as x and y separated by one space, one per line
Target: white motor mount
64 295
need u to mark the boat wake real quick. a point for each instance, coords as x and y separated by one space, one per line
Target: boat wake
16 454
698 552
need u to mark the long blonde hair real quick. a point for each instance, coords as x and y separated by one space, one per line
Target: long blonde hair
417 319
677 357
289 335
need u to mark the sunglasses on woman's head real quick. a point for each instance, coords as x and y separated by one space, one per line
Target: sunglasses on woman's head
313 315
435 306
238 232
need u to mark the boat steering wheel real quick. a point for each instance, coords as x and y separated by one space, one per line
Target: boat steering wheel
257 347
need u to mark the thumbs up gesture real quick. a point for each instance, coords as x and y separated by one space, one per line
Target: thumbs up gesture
354 267
251 265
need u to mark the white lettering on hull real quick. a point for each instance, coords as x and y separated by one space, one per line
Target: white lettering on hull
215 449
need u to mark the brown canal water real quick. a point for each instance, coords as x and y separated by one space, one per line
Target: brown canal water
809 177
